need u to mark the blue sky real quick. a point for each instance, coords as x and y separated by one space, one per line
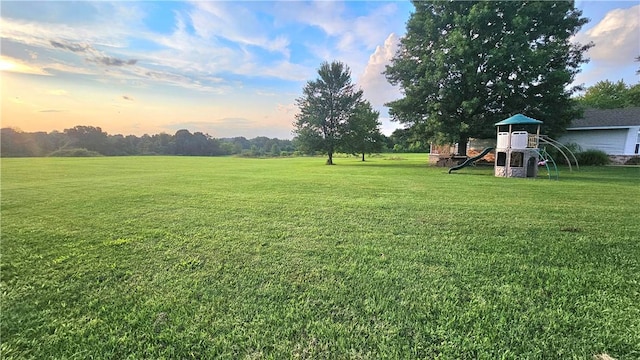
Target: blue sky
226 68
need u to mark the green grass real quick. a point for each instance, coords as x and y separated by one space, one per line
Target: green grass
182 257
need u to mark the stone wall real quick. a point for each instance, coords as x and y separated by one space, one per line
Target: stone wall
620 159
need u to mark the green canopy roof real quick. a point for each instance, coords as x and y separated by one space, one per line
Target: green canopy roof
518 119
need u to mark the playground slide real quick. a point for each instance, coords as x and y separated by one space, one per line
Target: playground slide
470 161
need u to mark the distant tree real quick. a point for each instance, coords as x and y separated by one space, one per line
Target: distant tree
14 143
120 145
196 144
88 137
261 144
275 150
605 95
633 95
464 65
410 140
326 106
146 145
610 95
86 140
308 141
183 142
362 132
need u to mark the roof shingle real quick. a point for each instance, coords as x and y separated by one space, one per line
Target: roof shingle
608 118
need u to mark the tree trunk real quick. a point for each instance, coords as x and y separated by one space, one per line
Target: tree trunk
330 159
462 146
362 156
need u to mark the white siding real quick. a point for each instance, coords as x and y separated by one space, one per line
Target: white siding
633 138
610 141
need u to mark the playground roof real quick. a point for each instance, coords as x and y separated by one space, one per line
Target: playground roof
517 120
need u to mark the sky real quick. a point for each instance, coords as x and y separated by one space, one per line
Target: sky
225 68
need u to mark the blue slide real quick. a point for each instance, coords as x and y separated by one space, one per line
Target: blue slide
470 161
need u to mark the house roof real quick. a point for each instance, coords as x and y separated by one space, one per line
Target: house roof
604 118
518 119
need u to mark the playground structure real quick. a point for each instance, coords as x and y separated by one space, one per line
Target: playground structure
519 152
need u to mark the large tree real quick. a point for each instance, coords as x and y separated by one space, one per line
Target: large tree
464 65
362 134
325 108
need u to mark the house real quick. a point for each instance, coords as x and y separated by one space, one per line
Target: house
614 131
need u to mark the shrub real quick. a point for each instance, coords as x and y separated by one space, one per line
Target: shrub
633 161
593 158
74 152
559 158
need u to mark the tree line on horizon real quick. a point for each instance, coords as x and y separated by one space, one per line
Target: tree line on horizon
93 141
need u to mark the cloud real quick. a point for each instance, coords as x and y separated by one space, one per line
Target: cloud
282 70
367 30
234 21
109 25
211 41
111 61
265 93
68 68
374 84
616 37
51 111
176 79
206 55
286 109
350 34
329 16
70 46
98 57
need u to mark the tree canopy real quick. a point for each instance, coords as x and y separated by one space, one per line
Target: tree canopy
327 106
91 141
609 95
463 66
362 134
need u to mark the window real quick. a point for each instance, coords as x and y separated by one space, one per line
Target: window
501 160
516 159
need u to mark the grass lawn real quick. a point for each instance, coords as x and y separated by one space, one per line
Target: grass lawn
232 258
